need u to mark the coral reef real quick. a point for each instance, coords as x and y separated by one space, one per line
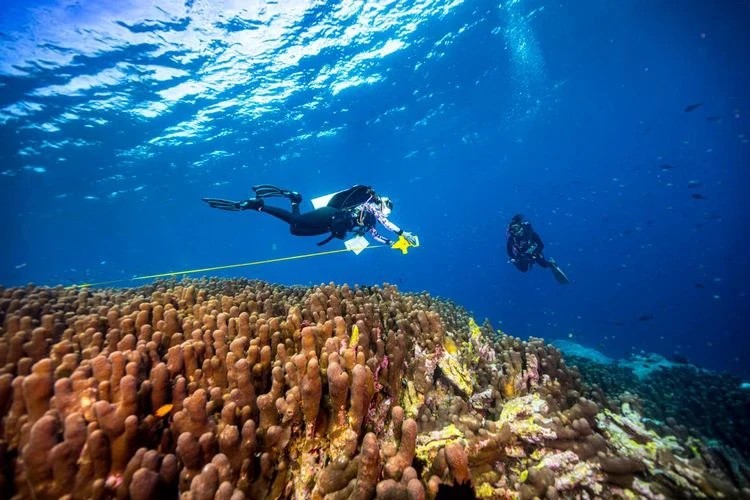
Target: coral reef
674 398
242 389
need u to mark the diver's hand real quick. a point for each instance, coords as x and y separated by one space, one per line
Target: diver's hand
411 238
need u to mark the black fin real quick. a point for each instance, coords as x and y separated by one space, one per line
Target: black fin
559 274
230 205
268 191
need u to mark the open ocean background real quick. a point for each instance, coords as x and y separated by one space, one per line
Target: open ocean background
620 129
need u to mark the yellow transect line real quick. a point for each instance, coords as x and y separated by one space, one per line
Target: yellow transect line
217 268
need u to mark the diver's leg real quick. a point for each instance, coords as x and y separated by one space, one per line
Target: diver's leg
312 223
256 204
522 265
539 259
279 213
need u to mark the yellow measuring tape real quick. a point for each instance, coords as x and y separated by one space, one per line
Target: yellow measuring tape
217 268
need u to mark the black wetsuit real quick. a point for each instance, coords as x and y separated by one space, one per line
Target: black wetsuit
525 248
337 217
322 220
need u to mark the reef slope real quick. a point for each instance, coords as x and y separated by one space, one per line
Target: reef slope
243 389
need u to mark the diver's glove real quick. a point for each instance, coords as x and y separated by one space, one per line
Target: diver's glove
411 238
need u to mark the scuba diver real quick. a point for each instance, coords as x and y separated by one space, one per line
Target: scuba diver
356 210
524 247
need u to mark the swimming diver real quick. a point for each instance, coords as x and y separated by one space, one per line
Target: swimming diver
524 247
356 210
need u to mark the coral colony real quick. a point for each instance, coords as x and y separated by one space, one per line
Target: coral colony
230 389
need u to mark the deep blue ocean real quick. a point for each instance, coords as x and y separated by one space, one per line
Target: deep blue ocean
619 129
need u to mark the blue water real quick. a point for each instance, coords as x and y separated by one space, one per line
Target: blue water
117 117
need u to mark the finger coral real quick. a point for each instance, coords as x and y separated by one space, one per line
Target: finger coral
236 389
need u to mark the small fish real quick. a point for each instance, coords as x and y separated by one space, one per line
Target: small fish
698 196
694 184
645 317
692 107
700 285
713 118
163 411
666 166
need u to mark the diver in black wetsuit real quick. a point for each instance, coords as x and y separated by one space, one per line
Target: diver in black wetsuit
356 209
524 247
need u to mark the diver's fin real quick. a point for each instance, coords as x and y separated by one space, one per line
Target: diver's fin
269 191
233 206
558 274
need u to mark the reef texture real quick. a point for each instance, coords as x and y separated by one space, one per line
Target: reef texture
230 389
677 399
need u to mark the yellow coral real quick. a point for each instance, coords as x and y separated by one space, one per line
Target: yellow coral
629 494
474 330
515 451
484 490
527 418
429 443
627 433
339 438
623 428
509 389
458 374
469 353
538 454
355 336
524 476
450 346
411 400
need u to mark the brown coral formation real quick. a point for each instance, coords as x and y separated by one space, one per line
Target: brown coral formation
240 389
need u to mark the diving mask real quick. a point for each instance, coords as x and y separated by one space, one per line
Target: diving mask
386 205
